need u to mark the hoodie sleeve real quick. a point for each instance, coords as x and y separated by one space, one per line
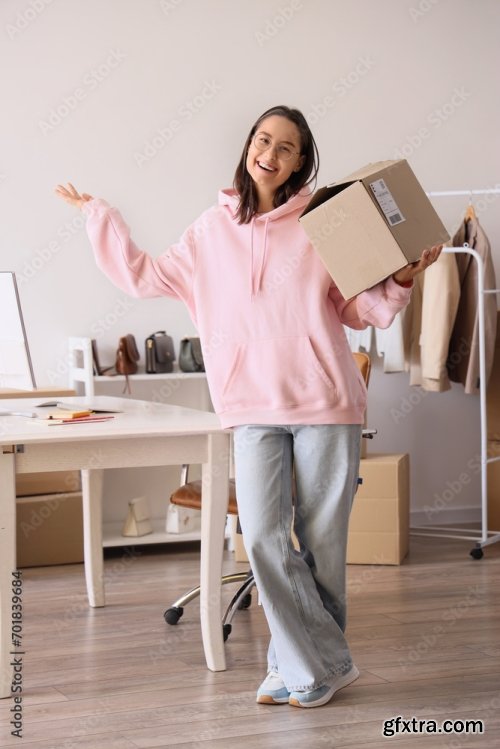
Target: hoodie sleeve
377 306
131 269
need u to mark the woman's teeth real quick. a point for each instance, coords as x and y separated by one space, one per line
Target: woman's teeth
265 166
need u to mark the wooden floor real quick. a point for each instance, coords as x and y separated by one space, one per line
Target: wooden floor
425 636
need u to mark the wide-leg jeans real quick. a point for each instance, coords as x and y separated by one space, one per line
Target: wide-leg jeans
305 475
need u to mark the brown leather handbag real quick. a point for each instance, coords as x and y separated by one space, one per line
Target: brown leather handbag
127 356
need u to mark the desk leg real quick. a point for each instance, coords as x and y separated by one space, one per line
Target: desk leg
7 566
92 535
215 492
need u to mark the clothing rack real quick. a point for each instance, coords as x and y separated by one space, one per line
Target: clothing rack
487 537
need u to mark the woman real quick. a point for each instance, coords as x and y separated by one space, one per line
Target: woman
282 376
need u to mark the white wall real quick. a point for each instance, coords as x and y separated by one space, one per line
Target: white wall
87 86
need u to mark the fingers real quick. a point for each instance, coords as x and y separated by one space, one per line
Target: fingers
74 192
71 195
430 256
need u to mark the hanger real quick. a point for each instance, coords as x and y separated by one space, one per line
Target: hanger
470 213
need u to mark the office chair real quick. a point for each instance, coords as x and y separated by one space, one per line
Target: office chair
189 495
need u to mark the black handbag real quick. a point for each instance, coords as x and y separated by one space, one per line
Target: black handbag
160 353
191 355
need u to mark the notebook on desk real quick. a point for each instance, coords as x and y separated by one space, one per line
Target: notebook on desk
89 405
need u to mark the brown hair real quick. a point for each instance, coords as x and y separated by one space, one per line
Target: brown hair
244 184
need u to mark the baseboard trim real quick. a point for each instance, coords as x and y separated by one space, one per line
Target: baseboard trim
448 516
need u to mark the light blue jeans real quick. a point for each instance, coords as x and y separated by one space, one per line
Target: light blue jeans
303 593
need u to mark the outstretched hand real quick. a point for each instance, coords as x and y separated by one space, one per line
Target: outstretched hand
408 273
71 195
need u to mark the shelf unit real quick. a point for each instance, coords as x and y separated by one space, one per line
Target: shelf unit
82 378
112 535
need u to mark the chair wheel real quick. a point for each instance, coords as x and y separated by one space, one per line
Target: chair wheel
173 614
245 602
477 553
226 631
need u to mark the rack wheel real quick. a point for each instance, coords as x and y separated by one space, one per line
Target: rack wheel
477 553
173 614
245 602
226 631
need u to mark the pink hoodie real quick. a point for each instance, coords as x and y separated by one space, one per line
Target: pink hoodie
268 314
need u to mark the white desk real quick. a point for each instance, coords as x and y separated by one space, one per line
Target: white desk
145 434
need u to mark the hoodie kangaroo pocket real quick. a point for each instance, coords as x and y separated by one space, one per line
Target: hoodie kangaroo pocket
273 373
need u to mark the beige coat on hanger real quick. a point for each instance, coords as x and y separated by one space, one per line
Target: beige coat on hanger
428 322
463 355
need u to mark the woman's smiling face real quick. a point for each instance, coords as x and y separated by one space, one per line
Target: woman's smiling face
274 153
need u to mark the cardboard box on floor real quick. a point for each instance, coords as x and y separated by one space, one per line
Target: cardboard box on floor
380 518
370 224
49 530
493 392
493 483
51 482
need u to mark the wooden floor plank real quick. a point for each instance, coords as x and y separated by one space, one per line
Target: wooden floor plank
426 636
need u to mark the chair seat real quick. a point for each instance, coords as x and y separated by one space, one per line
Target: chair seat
189 495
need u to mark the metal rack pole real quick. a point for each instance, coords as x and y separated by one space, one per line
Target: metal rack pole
487 537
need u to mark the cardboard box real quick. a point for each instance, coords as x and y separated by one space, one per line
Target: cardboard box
380 517
493 392
49 530
52 482
371 223
43 392
384 475
365 547
493 485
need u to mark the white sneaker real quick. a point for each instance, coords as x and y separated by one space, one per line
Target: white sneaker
272 691
322 695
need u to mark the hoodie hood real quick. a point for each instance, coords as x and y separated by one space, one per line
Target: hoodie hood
259 226
230 198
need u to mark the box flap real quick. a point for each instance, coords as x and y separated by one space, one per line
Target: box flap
366 171
322 195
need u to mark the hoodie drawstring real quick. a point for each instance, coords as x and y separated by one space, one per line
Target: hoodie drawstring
256 280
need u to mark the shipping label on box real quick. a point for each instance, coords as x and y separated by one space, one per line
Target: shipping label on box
370 224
